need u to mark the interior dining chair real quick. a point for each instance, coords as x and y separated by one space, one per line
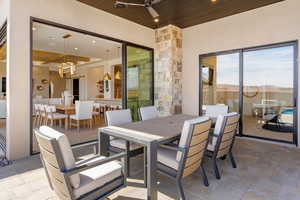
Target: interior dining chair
52 115
94 178
214 111
55 101
36 114
222 140
120 117
96 112
178 162
42 110
83 112
148 112
3 113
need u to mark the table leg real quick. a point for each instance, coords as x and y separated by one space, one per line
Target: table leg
151 171
103 142
66 123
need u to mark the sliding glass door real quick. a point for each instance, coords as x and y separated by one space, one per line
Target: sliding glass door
3 91
268 106
139 78
220 80
260 83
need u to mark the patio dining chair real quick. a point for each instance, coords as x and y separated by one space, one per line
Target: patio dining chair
222 140
213 111
94 178
178 162
119 117
148 112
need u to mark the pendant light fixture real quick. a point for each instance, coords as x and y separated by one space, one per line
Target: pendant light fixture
67 69
107 76
118 73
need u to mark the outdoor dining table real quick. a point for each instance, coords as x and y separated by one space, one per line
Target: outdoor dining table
148 133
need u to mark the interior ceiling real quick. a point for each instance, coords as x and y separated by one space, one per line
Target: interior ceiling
50 47
182 13
49 57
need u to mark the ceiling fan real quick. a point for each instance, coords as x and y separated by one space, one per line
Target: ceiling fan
147 4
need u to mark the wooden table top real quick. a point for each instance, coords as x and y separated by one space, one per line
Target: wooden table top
64 107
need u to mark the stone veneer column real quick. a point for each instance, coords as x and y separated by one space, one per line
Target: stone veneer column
168 70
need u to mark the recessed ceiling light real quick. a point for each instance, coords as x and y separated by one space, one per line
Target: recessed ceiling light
76 48
94 41
34 28
156 20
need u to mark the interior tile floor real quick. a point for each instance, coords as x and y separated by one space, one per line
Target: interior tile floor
265 172
84 135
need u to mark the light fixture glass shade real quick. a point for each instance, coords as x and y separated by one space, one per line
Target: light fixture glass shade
61 71
118 75
107 77
67 68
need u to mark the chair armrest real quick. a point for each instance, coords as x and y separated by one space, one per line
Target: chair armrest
177 148
89 164
84 145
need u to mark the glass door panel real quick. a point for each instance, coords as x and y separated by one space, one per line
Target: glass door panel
139 79
220 81
268 106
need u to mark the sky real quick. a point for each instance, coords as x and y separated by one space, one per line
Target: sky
262 67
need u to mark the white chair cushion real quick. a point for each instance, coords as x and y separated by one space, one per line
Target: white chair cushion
57 116
95 113
121 144
167 157
74 117
219 123
118 117
216 110
210 147
187 126
148 112
98 176
65 149
83 110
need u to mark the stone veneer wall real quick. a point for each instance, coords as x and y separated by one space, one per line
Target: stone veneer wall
168 70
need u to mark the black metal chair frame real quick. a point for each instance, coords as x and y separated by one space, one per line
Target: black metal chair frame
177 175
214 154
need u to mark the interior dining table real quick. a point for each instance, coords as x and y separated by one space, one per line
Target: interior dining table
149 133
67 110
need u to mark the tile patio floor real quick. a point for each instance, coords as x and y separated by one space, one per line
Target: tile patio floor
265 172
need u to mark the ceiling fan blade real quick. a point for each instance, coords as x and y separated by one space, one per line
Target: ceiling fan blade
155 1
152 12
120 4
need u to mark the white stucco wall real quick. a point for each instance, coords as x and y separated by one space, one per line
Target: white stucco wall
68 12
3 10
279 22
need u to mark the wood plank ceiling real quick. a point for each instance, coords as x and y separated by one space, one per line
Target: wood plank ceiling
182 13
